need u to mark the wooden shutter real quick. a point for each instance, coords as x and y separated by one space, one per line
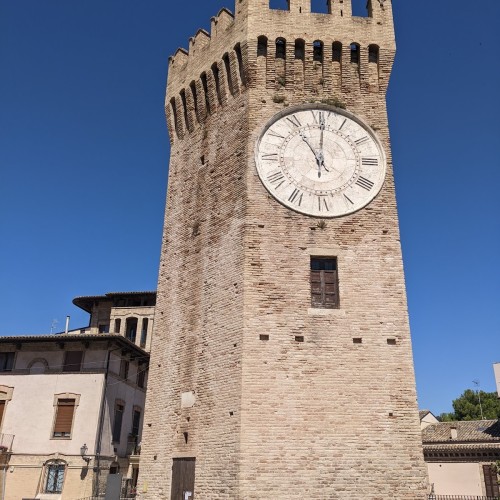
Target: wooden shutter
64 417
2 409
324 283
491 482
73 361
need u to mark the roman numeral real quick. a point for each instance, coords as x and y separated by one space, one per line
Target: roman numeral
319 117
296 197
369 162
343 123
274 134
362 140
294 121
323 204
348 199
270 157
276 179
365 183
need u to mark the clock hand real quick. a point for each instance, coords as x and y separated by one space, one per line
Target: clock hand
306 140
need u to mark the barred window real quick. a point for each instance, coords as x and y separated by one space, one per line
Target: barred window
55 472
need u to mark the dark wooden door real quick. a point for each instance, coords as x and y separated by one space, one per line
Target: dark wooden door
491 481
183 470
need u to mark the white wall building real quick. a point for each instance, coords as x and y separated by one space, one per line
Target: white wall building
62 396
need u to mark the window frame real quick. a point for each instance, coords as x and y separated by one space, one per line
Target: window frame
114 432
64 397
324 283
58 464
9 362
66 365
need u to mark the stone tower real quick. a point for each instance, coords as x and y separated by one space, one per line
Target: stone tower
281 359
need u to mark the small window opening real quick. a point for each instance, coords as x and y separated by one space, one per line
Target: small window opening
118 325
104 328
373 52
391 341
321 6
324 283
262 46
355 53
184 106
279 4
144 332
264 337
194 93
300 49
318 51
186 437
280 48
227 66
299 338
204 83
131 329
357 341
337 52
215 72
173 107
362 8
239 57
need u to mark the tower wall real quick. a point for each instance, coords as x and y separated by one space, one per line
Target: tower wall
289 401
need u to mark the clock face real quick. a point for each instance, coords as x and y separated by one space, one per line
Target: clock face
320 161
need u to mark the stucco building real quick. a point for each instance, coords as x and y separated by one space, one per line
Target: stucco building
71 412
460 456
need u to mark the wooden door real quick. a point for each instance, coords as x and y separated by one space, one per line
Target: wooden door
491 481
183 473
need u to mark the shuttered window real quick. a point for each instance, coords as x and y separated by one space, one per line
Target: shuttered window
2 410
73 361
491 482
64 418
117 424
6 361
324 283
136 420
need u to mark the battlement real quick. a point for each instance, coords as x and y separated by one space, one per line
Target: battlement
295 49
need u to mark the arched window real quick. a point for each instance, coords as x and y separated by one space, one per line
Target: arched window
55 470
280 48
262 46
300 49
355 53
318 51
337 52
373 53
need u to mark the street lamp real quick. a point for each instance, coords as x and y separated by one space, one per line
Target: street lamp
83 453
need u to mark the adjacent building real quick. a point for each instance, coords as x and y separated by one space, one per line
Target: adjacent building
130 314
71 412
461 457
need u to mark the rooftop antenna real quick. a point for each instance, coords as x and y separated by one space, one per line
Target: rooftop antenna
478 392
53 326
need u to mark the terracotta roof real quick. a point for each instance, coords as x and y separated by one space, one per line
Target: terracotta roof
473 431
83 337
85 302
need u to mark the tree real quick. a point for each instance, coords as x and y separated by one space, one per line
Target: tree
467 407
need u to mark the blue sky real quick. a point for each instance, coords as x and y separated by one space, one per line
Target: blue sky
84 161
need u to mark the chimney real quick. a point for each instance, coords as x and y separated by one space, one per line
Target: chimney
454 433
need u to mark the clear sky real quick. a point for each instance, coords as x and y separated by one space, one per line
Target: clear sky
84 162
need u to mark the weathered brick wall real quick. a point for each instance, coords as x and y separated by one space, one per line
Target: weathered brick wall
325 418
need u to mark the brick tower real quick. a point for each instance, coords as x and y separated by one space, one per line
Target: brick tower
281 359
